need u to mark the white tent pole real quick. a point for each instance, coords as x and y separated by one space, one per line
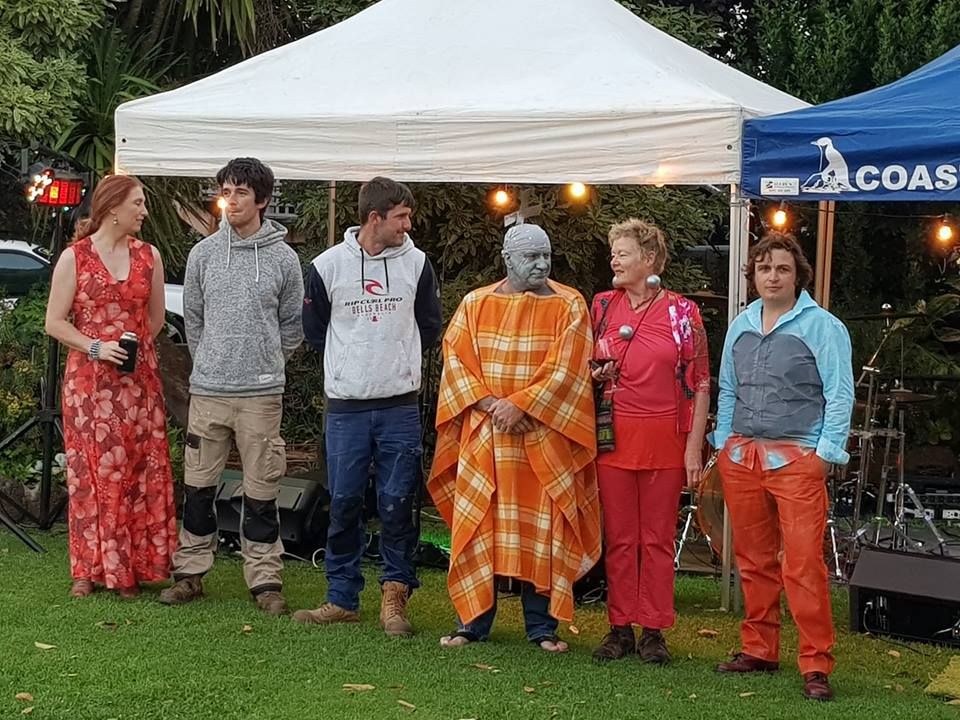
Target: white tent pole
736 301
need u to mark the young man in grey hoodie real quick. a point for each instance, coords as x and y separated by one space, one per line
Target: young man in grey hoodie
242 300
371 308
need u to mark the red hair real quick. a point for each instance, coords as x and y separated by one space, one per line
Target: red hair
109 193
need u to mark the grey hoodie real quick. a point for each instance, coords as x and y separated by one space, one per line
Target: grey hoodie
242 301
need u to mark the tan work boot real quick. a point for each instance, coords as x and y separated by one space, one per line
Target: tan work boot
326 614
182 591
393 609
272 603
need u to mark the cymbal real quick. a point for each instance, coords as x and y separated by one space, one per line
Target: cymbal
706 296
901 396
904 396
886 316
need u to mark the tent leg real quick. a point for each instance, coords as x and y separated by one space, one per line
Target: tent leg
818 263
826 214
828 252
737 300
332 215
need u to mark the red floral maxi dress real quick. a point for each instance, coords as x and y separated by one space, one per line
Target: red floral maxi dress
121 512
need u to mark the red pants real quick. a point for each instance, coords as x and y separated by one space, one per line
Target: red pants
767 507
639 527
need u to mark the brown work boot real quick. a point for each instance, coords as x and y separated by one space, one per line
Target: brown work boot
182 591
816 686
652 647
326 614
393 609
272 602
743 663
616 644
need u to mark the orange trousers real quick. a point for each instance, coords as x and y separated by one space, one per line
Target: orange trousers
770 508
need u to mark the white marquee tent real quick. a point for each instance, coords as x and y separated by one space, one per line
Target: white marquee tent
492 91
521 91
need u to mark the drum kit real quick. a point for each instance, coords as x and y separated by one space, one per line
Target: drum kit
871 504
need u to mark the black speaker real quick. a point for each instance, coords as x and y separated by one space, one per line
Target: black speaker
906 595
304 505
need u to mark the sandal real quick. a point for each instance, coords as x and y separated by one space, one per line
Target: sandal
81 588
551 638
129 593
447 641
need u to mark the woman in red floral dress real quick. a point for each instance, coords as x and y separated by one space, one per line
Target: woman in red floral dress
121 512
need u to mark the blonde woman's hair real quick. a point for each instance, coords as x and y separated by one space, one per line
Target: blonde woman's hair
647 236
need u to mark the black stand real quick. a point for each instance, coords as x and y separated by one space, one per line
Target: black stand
428 410
48 419
8 522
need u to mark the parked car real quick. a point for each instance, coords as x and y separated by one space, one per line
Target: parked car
24 265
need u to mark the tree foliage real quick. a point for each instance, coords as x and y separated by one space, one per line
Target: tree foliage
116 72
41 46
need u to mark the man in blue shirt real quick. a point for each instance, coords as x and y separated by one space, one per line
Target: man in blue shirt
786 396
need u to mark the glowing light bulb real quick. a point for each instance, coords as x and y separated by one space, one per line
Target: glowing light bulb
944 233
501 197
780 218
577 190
222 203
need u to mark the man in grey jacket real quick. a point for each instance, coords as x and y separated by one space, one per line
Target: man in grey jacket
242 297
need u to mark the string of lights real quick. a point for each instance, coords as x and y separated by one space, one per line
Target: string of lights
501 197
944 232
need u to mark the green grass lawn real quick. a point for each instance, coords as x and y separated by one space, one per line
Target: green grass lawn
219 658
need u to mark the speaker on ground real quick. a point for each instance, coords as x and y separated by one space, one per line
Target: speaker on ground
304 505
906 595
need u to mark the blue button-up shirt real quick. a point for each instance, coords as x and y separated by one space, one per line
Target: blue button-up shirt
793 384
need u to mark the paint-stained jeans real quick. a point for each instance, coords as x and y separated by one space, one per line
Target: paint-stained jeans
390 439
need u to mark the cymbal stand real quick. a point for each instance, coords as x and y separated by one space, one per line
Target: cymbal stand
901 533
890 433
832 526
690 510
865 445
870 371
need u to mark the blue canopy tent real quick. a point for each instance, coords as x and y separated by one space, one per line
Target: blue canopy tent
896 142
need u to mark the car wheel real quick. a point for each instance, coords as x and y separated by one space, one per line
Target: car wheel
175 329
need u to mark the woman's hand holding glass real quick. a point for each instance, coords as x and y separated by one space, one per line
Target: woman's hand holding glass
603 367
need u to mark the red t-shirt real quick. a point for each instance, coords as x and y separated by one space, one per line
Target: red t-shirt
648 363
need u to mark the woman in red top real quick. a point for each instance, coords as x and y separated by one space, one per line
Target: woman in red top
121 513
650 357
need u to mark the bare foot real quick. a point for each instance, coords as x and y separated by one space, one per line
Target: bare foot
553 647
454 641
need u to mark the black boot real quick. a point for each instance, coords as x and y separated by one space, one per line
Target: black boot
652 648
617 643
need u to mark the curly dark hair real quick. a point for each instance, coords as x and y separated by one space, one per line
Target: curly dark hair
775 240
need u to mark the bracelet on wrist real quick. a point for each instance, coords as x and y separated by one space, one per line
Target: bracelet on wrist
94 352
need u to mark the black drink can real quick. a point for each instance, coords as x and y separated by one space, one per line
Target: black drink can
128 341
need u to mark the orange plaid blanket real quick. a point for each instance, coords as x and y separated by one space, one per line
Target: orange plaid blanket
518 505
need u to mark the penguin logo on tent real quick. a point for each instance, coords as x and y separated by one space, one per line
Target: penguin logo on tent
834 175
